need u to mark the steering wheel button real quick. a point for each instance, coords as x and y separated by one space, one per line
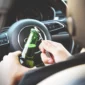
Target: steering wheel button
3 39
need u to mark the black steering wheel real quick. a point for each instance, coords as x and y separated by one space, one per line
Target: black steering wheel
19 32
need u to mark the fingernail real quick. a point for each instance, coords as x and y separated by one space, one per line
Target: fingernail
50 61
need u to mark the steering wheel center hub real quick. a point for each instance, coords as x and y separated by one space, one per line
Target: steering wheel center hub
24 34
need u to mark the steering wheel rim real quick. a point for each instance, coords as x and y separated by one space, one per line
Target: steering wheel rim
17 28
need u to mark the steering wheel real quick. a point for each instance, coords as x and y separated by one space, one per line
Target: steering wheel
19 32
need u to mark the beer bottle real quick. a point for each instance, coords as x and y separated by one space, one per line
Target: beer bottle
27 57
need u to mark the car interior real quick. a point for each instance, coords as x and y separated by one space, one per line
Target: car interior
51 13
52 18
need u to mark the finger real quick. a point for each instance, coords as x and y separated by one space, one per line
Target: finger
49 47
13 57
41 48
21 71
46 60
56 44
17 53
5 57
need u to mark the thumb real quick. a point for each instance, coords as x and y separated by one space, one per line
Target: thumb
48 47
24 70
21 72
46 60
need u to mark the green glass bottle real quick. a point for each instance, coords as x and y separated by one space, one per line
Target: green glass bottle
27 57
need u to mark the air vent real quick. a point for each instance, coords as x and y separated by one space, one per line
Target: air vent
59 15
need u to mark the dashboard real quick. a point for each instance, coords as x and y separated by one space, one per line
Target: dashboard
41 10
36 13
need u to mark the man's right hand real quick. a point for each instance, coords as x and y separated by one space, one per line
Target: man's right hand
57 51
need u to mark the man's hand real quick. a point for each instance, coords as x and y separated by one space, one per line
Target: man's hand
57 51
11 71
